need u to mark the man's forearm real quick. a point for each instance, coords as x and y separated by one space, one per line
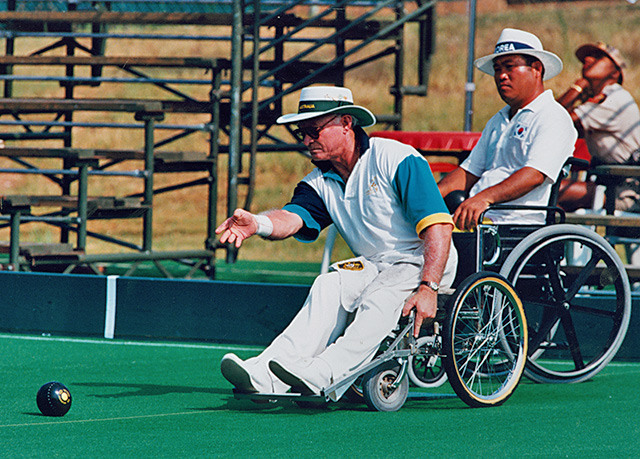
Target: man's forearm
458 179
573 94
437 243
285 223
517 185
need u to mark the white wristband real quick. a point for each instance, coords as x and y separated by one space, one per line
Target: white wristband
265 225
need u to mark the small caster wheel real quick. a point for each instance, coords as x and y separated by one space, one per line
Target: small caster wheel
378 392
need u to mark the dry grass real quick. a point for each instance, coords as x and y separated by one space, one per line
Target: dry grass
179 217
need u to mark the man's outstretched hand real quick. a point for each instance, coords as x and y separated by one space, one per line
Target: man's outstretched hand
238 227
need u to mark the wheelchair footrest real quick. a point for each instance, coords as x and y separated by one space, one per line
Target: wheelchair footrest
258 397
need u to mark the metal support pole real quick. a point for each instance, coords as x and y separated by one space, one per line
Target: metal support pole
235 122
212 179
470 86
397 90
83 178
149 126
213 153
9 49
14 244
8 69
255 86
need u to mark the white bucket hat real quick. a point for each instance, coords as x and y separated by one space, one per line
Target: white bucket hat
317 101
514 41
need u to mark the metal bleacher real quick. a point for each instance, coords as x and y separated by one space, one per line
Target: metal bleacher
167 110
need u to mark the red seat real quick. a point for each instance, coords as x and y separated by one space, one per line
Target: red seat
454 142
433 141
442 167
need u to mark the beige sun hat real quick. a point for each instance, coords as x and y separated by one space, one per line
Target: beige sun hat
514 41
599 48
317 101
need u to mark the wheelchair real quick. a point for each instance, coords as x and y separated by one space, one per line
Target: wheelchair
573 287
551 302
479 333
555 297
478 342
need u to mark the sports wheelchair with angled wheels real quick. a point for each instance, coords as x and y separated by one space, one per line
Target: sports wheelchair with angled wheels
548 301
479 334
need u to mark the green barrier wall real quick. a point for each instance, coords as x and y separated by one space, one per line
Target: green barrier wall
66 304
233 312
57 304
139 308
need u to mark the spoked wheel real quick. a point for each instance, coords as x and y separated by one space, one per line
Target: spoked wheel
426 370
485 340
380 390
577 299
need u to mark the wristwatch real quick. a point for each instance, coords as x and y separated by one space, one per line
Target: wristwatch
432 285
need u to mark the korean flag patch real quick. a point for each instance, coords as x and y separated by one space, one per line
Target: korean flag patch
520 131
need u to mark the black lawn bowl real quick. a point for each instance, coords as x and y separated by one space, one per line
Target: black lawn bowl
54 399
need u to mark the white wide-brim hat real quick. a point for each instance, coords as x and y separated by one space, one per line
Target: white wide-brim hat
514 41
317 101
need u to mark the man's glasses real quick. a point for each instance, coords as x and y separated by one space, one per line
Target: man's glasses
311 131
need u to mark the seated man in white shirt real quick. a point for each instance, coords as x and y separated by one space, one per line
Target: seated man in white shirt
524 145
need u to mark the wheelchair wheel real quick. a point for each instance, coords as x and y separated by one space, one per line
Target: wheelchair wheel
484 340
426 370
377 387
577 300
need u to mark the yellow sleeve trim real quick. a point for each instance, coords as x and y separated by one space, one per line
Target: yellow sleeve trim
433 220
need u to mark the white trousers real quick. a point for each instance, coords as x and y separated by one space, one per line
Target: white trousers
321 329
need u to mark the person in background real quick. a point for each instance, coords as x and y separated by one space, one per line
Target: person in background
523 147
607 116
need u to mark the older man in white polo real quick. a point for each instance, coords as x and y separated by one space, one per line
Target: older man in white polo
383 199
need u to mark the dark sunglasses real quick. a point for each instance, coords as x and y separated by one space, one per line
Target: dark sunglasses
311 131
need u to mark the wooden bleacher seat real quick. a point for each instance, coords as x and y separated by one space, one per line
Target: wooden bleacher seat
98 207
44 105
604 220
117 61
36 249
285 74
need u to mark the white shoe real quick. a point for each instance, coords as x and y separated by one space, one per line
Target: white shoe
306 377
232 368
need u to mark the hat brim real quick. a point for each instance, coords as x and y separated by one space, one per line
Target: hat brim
552 63
365 117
